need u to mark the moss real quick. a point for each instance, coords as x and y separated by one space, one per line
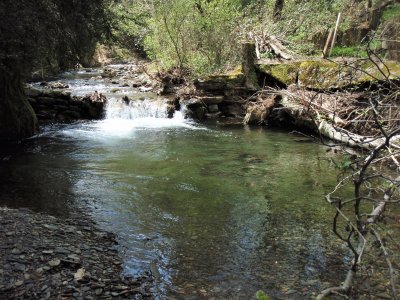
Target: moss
392 12
390 69
322 74
319 74
238 71
285 73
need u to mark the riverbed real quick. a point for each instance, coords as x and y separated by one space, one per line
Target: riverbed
212 211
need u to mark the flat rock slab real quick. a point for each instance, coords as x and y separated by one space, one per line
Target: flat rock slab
43 257
327 74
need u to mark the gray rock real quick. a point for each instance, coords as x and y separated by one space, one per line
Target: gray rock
98 292
213 108
60 250
54 262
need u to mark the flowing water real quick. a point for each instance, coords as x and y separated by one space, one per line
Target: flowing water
213 212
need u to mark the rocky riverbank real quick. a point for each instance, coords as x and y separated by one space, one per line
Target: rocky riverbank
44 257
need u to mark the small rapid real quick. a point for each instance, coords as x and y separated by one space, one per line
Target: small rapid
127 109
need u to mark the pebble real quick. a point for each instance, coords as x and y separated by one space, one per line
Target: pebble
54 262
16 251
19 267
383 296
52 227
98 291
19 283
60 248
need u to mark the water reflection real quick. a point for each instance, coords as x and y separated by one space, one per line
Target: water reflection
212 213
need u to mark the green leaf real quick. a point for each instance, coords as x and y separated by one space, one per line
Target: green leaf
261 295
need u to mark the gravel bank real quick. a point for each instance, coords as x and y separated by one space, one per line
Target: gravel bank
44 257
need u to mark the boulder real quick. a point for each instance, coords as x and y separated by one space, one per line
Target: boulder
57 85
193 103
258 112
208 100
213 116
213 108
170 111
93 105
220 82
68 116
232 110
255 115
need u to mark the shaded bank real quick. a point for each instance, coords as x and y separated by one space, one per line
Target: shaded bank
17 118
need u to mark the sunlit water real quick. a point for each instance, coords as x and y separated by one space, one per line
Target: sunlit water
212 212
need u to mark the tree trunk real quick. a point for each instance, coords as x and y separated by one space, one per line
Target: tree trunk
278 9
249 58
17 118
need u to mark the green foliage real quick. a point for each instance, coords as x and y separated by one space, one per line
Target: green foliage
301 24
130 23
344 164
392 12
261 295
195 34
353 51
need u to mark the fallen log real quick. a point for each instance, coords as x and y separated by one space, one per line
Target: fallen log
328 125
276 47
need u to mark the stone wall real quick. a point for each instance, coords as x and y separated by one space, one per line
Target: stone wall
60 106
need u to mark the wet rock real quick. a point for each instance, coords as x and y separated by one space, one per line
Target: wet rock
208 100
213 108
259 112
68 116
213 116
232 110
57 85
145 89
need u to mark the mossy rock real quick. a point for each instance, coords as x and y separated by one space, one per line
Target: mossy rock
285 72
390 69
323 74
220 81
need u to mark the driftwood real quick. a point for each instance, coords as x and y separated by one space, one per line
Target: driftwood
372 219
319 118
275 46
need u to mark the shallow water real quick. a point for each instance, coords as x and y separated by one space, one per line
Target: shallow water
211 211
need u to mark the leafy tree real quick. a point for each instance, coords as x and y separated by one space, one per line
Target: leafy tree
200 35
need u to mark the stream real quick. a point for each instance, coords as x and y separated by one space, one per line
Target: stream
213 212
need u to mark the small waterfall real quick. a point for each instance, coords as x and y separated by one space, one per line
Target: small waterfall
125 116
131 110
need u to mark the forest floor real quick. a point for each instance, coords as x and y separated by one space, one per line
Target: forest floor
44 257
